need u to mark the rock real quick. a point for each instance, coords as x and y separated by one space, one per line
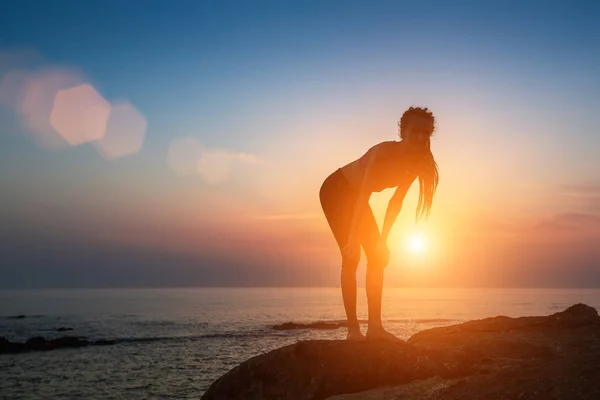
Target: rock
105 342
546 357
67 341
582 310
36 343
319 369
288 326
8 347
41 344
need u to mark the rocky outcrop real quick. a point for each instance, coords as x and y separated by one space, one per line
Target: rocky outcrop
20 316
63 329
320 325
548 357
289 326
42 344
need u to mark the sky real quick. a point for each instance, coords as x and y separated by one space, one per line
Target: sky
184 143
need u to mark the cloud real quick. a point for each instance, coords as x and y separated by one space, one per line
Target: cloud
569 222
214 165
561 227
584 197
286 217
582 190
187 156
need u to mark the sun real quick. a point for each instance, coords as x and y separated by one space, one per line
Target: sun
416 243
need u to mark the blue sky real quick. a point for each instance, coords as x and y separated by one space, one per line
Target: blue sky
515 86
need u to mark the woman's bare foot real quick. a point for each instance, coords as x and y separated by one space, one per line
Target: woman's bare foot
355 335
382 334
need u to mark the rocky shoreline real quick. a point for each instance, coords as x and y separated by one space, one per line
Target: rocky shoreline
545 357
42 344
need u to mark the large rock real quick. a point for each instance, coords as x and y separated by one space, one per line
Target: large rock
549 357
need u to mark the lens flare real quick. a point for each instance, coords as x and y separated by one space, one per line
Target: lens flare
183 156
32 96
125 132
80 114
416 244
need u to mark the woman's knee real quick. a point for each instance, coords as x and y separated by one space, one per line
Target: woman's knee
378 261
350 263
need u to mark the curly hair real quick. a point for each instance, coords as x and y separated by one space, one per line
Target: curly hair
428 175
411 113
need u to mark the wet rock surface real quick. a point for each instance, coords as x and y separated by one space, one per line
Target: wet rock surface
546 357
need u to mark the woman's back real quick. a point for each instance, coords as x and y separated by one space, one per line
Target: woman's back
390 163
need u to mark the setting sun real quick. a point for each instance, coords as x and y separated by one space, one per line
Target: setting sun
416 244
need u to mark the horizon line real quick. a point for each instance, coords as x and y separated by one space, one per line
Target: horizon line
287 287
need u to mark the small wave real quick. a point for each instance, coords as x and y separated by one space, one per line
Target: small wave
433 320
39 343
424 320
556 306
293 326
151 339
154 323
283 333
21 316
343 321
317 325
59 329
230 335
143 339
336 324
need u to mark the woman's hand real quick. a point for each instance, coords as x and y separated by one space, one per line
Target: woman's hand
383 251
352 248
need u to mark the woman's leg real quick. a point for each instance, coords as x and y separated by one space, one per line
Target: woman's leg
348 282
338 208
377 260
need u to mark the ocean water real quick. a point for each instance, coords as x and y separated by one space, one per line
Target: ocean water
174 342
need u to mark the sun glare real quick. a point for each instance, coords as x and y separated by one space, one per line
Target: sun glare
416 244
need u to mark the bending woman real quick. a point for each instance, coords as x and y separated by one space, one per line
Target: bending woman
344 198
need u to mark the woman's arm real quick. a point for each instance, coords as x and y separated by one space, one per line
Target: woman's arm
394 207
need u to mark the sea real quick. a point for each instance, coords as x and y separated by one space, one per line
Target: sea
173 343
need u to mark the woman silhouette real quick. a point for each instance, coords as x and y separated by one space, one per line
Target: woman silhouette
344 198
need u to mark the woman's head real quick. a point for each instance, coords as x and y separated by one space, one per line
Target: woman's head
416 126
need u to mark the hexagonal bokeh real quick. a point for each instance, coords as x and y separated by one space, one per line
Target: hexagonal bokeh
125 132
183 156
80 114
214 166
31 94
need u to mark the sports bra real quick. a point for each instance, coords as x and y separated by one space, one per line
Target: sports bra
393 167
